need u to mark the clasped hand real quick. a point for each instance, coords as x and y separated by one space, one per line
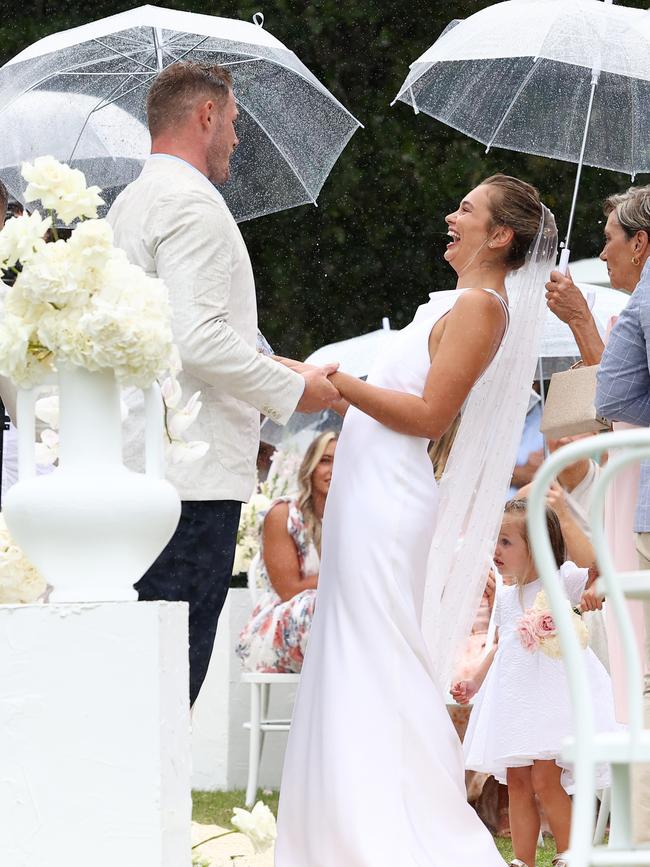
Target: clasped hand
463 691
319 392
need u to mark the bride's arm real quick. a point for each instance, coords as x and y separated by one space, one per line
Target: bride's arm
472 332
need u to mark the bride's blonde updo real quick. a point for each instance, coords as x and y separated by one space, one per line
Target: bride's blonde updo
517 205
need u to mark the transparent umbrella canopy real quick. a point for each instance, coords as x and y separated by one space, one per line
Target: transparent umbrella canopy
356 355
80 95
567 79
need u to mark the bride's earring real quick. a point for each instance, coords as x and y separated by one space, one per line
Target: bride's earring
636 260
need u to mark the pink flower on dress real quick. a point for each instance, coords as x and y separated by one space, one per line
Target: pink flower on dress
543 624
527 632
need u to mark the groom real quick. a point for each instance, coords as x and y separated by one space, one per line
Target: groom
174 223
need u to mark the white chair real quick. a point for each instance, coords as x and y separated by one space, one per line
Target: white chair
260 684
588 748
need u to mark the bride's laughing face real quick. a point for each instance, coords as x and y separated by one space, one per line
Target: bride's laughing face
469 228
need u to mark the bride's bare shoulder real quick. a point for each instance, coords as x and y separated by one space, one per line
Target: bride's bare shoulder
474 308
477 301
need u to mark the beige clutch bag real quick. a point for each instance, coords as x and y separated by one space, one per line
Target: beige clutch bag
569 407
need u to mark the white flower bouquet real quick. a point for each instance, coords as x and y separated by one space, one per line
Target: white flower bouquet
78 302
82 303
537 629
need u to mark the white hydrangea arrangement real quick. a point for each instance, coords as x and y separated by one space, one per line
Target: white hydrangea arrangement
80 301
20 581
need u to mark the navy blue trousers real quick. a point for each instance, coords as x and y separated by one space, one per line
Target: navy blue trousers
196 567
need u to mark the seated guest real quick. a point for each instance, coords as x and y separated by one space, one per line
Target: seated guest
276 636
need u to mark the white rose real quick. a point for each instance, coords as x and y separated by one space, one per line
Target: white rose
21 238
79 204
60 189
44 177
258 825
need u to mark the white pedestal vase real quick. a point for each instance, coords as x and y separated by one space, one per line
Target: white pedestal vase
92 527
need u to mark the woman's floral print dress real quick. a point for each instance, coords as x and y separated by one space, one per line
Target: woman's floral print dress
276 636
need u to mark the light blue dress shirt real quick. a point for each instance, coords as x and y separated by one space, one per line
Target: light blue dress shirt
623 384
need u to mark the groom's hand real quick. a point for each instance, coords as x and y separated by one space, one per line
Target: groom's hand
319 392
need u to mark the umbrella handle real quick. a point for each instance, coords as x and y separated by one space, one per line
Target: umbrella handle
563 265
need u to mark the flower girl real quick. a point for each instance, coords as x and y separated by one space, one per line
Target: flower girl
522 709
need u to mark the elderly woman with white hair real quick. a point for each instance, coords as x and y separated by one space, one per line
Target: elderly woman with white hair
276 636
626 251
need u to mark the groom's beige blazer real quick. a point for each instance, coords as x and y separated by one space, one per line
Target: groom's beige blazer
174 224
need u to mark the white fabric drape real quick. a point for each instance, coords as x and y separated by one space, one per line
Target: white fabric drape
475 484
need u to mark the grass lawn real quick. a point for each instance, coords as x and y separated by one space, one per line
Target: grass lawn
215 808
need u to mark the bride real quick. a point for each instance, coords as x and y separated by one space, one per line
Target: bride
374 772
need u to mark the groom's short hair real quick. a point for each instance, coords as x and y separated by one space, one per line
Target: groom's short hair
178 88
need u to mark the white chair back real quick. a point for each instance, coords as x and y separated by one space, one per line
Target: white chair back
636 444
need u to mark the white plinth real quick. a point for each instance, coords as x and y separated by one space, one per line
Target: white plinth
94 735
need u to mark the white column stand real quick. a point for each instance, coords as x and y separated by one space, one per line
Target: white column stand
94 735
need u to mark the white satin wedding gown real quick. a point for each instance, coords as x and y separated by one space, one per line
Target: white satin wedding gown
374 773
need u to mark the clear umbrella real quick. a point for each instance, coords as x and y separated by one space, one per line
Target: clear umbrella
80 95
356 355
567 79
